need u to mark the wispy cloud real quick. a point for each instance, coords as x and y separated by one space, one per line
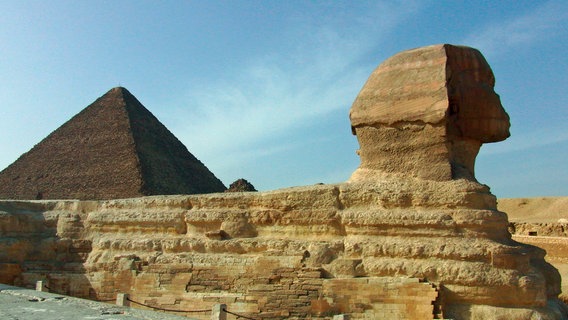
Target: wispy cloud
282 92
503 36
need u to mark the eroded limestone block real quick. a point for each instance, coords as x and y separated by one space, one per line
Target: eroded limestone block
425 112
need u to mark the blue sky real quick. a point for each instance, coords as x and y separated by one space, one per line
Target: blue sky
262 89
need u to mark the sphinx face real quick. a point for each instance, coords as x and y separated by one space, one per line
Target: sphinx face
475 110
426 112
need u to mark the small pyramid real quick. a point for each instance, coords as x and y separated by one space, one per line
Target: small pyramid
114 148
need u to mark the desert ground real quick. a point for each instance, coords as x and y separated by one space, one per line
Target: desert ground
542 222
539 210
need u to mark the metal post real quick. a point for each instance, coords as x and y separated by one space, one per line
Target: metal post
122 300
40 286
218 312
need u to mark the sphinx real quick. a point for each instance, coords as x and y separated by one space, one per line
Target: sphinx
411 235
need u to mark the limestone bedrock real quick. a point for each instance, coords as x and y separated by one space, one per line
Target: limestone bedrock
412 235
425 113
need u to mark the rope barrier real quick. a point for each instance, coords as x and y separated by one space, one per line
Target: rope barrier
168 310
238 315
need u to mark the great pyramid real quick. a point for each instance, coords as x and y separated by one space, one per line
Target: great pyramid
114 148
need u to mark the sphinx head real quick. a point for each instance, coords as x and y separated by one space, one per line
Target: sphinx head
425 112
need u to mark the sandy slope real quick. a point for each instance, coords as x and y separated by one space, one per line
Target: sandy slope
542 209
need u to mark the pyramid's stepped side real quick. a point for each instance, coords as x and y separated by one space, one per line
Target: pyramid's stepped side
414 237
114 148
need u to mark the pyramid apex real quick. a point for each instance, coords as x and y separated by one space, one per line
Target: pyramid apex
118 96
118 90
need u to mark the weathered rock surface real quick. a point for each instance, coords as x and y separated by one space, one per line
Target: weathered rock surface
279 253
415 237
425 113
114 148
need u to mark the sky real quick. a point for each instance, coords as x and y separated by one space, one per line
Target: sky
261 90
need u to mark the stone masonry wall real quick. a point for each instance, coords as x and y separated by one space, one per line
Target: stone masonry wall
412 249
